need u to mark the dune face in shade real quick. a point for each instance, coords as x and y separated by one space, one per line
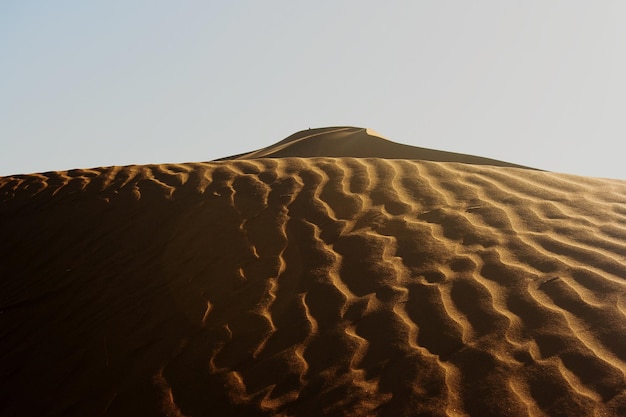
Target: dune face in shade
281 283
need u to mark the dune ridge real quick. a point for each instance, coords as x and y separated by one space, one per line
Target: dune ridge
313 286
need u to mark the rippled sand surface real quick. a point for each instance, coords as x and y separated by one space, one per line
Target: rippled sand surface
312 286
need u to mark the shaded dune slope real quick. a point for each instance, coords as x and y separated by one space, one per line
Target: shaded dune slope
310 287
357 142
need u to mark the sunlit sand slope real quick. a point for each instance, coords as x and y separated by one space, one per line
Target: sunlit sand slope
312 287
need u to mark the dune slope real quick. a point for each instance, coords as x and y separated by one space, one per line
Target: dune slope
312 287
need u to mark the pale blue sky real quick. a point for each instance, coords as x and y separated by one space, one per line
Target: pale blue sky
98 83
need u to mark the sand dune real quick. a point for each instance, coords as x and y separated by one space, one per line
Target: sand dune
357 142
320 286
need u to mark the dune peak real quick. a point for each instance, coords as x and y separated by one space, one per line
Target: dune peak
357 142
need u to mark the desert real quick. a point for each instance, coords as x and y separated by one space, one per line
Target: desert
334 273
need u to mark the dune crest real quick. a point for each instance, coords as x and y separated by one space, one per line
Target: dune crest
312 286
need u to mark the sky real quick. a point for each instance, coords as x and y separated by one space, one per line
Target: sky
97 83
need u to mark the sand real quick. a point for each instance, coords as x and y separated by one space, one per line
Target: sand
333 283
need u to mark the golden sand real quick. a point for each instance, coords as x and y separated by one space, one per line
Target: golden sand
274 285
